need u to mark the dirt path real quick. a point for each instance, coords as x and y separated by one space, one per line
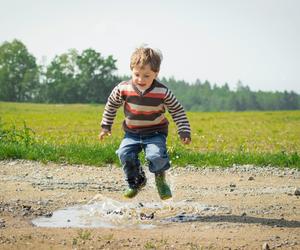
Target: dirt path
240 208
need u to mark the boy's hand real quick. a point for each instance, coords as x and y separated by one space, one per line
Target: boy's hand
104 133
186 140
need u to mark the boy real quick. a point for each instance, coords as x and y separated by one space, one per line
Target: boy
146 128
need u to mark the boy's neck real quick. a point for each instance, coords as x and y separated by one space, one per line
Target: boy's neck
141 89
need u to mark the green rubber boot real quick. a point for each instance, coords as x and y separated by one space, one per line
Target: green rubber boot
141 180
163 188
135 185
130 192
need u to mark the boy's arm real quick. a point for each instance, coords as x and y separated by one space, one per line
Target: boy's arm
178 114
114 101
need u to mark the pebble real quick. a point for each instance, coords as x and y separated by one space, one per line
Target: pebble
297 191
2 223
265 246
45 181
144 216
240 169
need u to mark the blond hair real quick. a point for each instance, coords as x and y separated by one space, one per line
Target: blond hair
145 55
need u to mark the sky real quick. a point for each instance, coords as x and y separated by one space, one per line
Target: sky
256 42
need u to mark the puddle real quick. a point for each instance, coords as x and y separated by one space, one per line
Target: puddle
108 213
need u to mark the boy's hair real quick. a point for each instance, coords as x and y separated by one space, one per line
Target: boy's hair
143 56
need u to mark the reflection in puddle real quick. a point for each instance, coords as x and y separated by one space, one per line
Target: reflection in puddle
108 213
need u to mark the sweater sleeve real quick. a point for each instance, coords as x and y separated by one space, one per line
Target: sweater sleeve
114 101
178 114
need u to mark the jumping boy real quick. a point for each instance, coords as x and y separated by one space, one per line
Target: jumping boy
146 128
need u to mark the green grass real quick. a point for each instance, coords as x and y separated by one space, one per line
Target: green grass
68 133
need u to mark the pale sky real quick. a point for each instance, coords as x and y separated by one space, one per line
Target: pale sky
255 41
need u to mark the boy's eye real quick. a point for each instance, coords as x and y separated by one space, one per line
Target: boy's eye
146 76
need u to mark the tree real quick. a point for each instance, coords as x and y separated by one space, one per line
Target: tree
96 77
246 99
289 101
61 85
18 72
72 77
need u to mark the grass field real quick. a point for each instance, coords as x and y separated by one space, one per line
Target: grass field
69 133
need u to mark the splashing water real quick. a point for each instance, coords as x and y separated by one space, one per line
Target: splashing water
105 212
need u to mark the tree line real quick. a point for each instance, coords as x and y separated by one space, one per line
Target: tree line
204 96
88 77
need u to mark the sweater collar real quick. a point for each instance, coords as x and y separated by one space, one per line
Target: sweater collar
140 93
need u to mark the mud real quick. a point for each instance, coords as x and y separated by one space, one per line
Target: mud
51 206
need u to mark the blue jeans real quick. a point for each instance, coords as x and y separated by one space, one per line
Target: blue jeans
155 149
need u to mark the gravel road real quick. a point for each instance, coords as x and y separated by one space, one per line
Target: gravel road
242 207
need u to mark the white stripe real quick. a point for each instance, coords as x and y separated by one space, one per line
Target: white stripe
136 107
106 121
110 110
158 90
143 122
179 113
171 101
182 119
126 87
185 128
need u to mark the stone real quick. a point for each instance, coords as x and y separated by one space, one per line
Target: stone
2 223
265 246
297 191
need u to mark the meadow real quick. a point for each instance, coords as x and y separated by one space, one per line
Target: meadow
68 133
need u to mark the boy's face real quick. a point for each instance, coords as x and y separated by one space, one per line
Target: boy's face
143 77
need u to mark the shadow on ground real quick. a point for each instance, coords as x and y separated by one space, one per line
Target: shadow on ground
235 219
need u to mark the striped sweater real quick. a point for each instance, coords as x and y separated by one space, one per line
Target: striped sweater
144 112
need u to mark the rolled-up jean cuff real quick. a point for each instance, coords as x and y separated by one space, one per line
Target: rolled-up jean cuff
159 170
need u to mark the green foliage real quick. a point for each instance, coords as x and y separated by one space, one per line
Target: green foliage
205 97
68 134
23 136
96 155
183 157
230 132
149 245
79 78
18 72
84 234
101 155
97 76
89 78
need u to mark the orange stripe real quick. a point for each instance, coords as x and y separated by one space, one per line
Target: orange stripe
129 93
155 95
149 95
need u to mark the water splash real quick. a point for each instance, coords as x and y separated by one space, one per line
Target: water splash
105 212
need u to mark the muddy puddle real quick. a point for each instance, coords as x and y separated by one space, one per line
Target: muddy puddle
105 212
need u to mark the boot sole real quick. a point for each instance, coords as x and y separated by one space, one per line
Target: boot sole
131 196
138 190
166 197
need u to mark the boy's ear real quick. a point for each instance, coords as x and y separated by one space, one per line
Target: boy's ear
156 74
